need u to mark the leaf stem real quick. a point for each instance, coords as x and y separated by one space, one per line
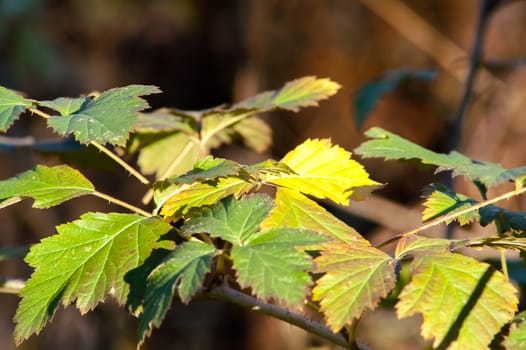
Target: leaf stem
247 301
504 265
121 203
453 216
225 124
104 150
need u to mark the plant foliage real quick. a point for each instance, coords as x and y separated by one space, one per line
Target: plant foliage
210 228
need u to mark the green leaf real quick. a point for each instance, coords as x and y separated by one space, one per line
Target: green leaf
440 201
208 169
185 268
83 263
11 106
232 220
48 186
297 211
443 201
108 118
356 278
154 158
176 200
66 105
368 95
324 171
464 302
390 146
303 92
517 338
268 263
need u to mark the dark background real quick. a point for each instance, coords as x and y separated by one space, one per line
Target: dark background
203 53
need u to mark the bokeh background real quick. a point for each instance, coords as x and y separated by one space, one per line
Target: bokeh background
202 53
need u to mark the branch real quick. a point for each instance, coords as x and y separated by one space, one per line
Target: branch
247 301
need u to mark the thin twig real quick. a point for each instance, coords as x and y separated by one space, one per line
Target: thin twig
121 203
104 150
504 264
247 301
454 215
11 285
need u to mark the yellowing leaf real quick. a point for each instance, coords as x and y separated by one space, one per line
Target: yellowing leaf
303 92
414 245
176 200
464 302
324 171
356 277
295 210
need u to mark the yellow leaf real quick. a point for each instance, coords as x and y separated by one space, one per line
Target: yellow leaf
325 171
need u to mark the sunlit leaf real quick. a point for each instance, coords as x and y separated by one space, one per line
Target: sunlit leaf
368 95
440 201
517 338
11 106
303 92
295 210
176 200
184 269
177 152
356 278
414 245
66 105
324 171
464 302
48 186
266 261
230 219
108 118
390 146
500 241
269 264
83 263
208 169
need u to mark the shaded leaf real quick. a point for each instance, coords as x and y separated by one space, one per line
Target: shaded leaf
464 302
83 263
268 263
11 106
390 146
324 171
48 186
255 133
184 268
163 120
232 220
368 95
356 278
302 92
177 151
108 118
500 241
176 200
297 211
517 338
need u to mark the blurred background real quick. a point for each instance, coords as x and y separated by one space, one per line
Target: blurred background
202 53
